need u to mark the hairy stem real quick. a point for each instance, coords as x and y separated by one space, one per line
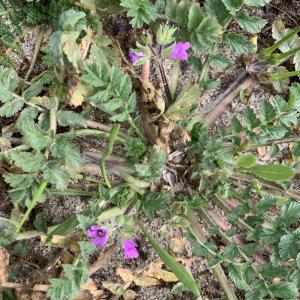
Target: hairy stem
33 203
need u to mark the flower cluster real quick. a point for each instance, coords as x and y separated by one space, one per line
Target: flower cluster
179 51
99 237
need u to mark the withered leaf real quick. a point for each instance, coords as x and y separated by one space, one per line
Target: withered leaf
125 274
155 270
77 92
114 288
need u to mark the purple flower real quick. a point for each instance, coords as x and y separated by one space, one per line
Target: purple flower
99 235
179 50
134 57
129 248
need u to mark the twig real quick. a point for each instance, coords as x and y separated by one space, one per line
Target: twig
216 270
35 54
222 101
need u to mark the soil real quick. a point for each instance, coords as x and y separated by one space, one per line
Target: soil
26 261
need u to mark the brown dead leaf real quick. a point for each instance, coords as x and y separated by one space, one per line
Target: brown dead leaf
84 295
186 261
38 296
4 261
77 92
262 151
114 288
129 295
85 43
62 242
125 274
4 143
145 281
155 270
177 245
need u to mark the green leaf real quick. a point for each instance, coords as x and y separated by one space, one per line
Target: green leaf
239 274
155 164
27 161
69 286
217 8
195 17
55 175
19 180
290 214
232 5
136 149
289 245
258 291
250 118
40 222
256 2
33 136
250 24
8 109
180 272
296 149
141 11
272 172
269 271
267 111
294 100
284 290
220 61
206 34
236 126
237 43
69 18
246 161
70 118
181 108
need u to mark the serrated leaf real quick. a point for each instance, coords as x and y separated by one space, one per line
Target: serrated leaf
249 23
17 180
246 161
272 172
206 34
69 18
250 118
27 161
40 222
220 61
238 274
155 165
290 214
55 175
141 11
236 126
70 118
284 290
8 109
232 5
237 43
77 94
267 111
217 8
269 271
294 99
289 245
179 271
195 16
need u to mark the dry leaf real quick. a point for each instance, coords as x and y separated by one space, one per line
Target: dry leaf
77 92
4 261
262 151
38 296
4 143
62 242
86 43
186 261
144 281
125 274
115 288
129 295
155 270
84 295
177 245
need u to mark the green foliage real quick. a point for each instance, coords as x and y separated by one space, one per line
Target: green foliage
141 11
75 276
237 42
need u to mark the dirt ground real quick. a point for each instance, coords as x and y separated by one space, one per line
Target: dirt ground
26 260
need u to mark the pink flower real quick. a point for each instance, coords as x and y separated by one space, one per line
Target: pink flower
179 50
134 57
130 249
99 235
